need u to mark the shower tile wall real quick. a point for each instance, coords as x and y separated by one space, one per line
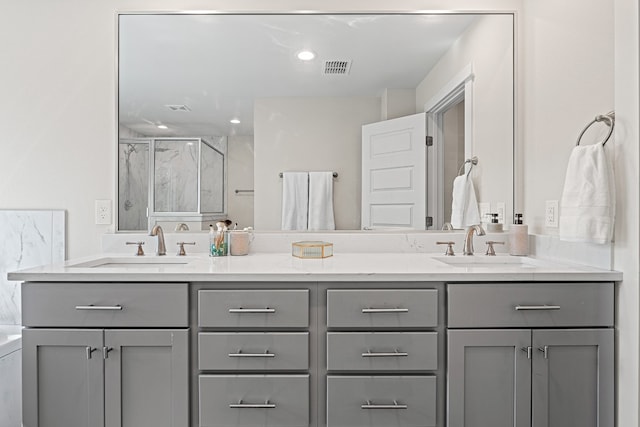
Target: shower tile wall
176 176
133 188
27 239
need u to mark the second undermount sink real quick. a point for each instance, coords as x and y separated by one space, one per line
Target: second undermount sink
483 261
137 262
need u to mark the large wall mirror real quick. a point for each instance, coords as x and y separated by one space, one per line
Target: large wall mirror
235 83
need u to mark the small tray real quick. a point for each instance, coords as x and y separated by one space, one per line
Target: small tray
312 249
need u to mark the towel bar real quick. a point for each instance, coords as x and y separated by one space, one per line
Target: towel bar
609 119
335 174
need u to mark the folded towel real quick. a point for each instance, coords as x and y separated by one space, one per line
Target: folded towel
587 207
295 200
464 206
321 201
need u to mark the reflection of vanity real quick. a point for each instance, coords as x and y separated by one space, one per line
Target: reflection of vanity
277 341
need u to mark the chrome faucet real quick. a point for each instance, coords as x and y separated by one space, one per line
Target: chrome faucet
157 231
467 249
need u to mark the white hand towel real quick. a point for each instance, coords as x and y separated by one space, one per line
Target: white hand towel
464 207
295 200
587 207
321 201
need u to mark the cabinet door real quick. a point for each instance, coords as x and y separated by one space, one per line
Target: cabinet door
573 378
62 378
146 378
489 378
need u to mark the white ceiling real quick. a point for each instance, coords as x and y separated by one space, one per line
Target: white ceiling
218 64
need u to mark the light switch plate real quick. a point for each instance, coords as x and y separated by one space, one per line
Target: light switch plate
103 212
485 208
500 207
551 213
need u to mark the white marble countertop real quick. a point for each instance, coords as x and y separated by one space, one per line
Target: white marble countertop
269 267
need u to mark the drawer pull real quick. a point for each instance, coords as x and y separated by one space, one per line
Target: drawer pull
385 310
99 307
537 307
265 405
395 405
252 310
239 353
396 353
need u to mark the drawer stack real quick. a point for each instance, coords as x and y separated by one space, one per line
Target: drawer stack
253 357
382 354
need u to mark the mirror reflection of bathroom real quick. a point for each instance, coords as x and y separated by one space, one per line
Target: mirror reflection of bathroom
453 135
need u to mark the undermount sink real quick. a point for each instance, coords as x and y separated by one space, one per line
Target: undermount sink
137 262
483 261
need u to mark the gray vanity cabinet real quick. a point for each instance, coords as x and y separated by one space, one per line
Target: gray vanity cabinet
555 373
78 374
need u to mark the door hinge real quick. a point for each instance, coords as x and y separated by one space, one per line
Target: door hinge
429 221
429 141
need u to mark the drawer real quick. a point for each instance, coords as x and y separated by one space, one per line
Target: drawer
530 305
382 308
253 351
254 400
253 308
105 304
382 351
407 401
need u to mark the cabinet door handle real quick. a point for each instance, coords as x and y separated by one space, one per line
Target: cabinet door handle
105 352
252 310
396 353
396 405
385 310
545 351
537 307
239 353
527 350
90 350
265 405
99 307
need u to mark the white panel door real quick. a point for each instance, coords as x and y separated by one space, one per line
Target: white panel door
394 173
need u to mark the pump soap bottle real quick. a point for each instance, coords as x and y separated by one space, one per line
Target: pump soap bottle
518 237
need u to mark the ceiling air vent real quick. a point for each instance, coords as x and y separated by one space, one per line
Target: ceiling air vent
178 107
336 67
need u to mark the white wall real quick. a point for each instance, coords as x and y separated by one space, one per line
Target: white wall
310 134
488 46
240 177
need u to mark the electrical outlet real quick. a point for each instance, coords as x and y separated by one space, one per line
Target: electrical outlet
103 212
551 213
500 208
485 208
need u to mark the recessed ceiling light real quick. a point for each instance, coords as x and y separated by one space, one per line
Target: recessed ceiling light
162 126
235 121
306 55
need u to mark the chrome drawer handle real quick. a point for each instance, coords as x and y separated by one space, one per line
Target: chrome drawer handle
252 310
385 310
99 307
265 405
239 353
395 405
537 307
396 353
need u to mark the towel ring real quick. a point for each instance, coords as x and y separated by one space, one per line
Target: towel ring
473 161
609 119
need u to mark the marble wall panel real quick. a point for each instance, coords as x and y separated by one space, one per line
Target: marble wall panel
176 176
27 239
133 185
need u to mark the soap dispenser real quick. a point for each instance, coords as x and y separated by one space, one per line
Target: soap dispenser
518 237
494 226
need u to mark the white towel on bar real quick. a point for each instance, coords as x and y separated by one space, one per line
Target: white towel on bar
587 207
321 201
295 200
464 206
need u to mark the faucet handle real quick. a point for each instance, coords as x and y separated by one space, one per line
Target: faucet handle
490 250
140 252
181 251
449 251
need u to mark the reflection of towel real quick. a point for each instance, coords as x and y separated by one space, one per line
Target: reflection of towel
464 208
295 196
321 201
587 207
